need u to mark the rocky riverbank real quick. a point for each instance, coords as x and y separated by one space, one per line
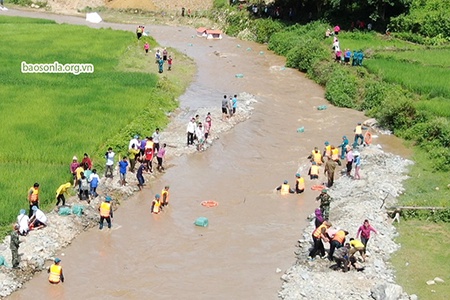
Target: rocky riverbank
40 246
382 175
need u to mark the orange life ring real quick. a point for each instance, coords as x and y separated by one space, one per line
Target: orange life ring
318 187
368 138
210 203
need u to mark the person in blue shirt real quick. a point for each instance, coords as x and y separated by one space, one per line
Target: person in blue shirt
140 176
123 165
234 103
343 146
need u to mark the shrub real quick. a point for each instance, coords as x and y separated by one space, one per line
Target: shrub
305 54
322 70
373 94
396 112
341 90
265 28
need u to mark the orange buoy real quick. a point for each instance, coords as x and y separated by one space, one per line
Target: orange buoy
368 138
210 203
318 187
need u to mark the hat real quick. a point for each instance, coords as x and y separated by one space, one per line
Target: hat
34 208
166 187
359 123
57 260
108 198
344 137
22 211
74 158
285 182
324 191
355 153
314 163
297 175
326 143
157 196
136 136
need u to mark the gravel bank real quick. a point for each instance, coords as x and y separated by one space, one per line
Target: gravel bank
382 175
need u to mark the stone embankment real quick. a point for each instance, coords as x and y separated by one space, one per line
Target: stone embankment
40 246
354 201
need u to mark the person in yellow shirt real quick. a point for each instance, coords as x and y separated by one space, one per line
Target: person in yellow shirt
156 205
299 184
357 245
60 193
132 155
55 272
165 196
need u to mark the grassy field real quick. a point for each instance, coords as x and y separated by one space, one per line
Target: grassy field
48 118
359 40
423 257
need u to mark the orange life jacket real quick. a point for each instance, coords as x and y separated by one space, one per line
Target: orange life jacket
339 236
358 129
165 192
328 150
335 154
318 231
156 206
317 157
34 197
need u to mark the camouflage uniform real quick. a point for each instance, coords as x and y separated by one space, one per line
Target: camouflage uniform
325 201
14 246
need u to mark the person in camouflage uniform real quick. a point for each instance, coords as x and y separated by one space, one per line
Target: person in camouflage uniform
14 246
325 201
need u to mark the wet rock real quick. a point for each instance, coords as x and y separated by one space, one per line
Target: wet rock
386 291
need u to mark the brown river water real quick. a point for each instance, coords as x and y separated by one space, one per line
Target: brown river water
253 231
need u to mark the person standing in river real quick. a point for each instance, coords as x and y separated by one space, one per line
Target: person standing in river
224 108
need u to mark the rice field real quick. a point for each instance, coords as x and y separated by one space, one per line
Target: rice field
48 118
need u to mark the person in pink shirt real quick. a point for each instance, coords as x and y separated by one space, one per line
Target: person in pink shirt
146 47
364 231
208 122
160 156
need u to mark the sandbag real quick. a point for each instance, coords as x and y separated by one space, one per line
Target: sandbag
77 210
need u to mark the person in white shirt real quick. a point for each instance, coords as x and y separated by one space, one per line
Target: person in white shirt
39 219
134 141
109 162
156 137
23 221
190 132
200 133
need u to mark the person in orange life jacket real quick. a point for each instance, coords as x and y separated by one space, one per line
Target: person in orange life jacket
106 212
33 198
165 196
327 149
299 184
314 171
56 273
156 205
318 235
335 154
285 188
358 133
316 156
337 242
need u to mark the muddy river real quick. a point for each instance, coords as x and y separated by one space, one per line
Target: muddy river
253 231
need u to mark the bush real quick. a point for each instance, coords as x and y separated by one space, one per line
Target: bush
265 28
306 54
341 90
322 70
373 94
396 112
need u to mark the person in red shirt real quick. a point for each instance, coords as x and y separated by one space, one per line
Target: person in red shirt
86 161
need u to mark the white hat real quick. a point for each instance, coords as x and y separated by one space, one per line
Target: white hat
356 153
74 158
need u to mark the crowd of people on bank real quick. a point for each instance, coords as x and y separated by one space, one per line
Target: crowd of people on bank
340 251
344 57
